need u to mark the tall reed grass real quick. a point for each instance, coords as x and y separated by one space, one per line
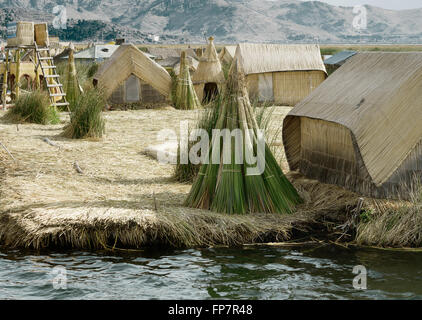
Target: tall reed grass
33 107
86 120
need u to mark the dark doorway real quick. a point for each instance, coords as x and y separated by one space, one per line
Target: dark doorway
210 92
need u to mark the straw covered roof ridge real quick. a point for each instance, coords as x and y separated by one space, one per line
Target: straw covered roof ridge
378 97
263 58
127 60
209 67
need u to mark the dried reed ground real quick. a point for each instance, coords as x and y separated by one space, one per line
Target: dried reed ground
44 202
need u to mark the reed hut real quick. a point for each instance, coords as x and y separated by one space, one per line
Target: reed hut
129 76
209 77
283 74
362 128
226 54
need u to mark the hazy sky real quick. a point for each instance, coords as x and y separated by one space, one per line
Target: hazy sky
388 4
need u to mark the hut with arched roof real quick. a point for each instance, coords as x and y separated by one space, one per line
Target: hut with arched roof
362 128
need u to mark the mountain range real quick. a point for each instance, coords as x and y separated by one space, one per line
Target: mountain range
230 21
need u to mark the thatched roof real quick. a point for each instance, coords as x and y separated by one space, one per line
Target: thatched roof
165 53
192 63
227 54
129 60
377 96
209 68
169 62
262 58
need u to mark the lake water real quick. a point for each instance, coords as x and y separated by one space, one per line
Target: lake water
321 272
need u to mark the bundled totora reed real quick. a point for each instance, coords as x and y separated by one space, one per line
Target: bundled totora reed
72 84
186 97
186 172
230 185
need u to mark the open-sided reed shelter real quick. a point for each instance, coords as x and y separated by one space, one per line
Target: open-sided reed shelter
362 128
208 77
129 76
283 74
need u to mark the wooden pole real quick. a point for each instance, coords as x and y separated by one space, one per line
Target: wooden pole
37 73
182 62
18 72
6 69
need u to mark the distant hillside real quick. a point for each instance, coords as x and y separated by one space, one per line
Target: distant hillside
228 20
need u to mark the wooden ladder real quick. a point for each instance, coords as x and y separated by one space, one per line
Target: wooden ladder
49 72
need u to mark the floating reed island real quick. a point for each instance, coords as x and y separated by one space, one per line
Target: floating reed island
121 195
90 194
88 180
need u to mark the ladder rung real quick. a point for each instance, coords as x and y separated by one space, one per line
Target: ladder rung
43 49
52 76
54 85
46 58
60 104
48 67
57 94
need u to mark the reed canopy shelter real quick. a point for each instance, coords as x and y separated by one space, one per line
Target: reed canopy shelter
282 74
208 78
129 76
362 128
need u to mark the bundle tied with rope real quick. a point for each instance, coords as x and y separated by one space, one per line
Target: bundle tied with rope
235 184
186 98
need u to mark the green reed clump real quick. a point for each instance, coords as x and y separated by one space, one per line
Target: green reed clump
86 120
33 107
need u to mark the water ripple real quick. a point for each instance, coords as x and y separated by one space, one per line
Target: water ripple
323 272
